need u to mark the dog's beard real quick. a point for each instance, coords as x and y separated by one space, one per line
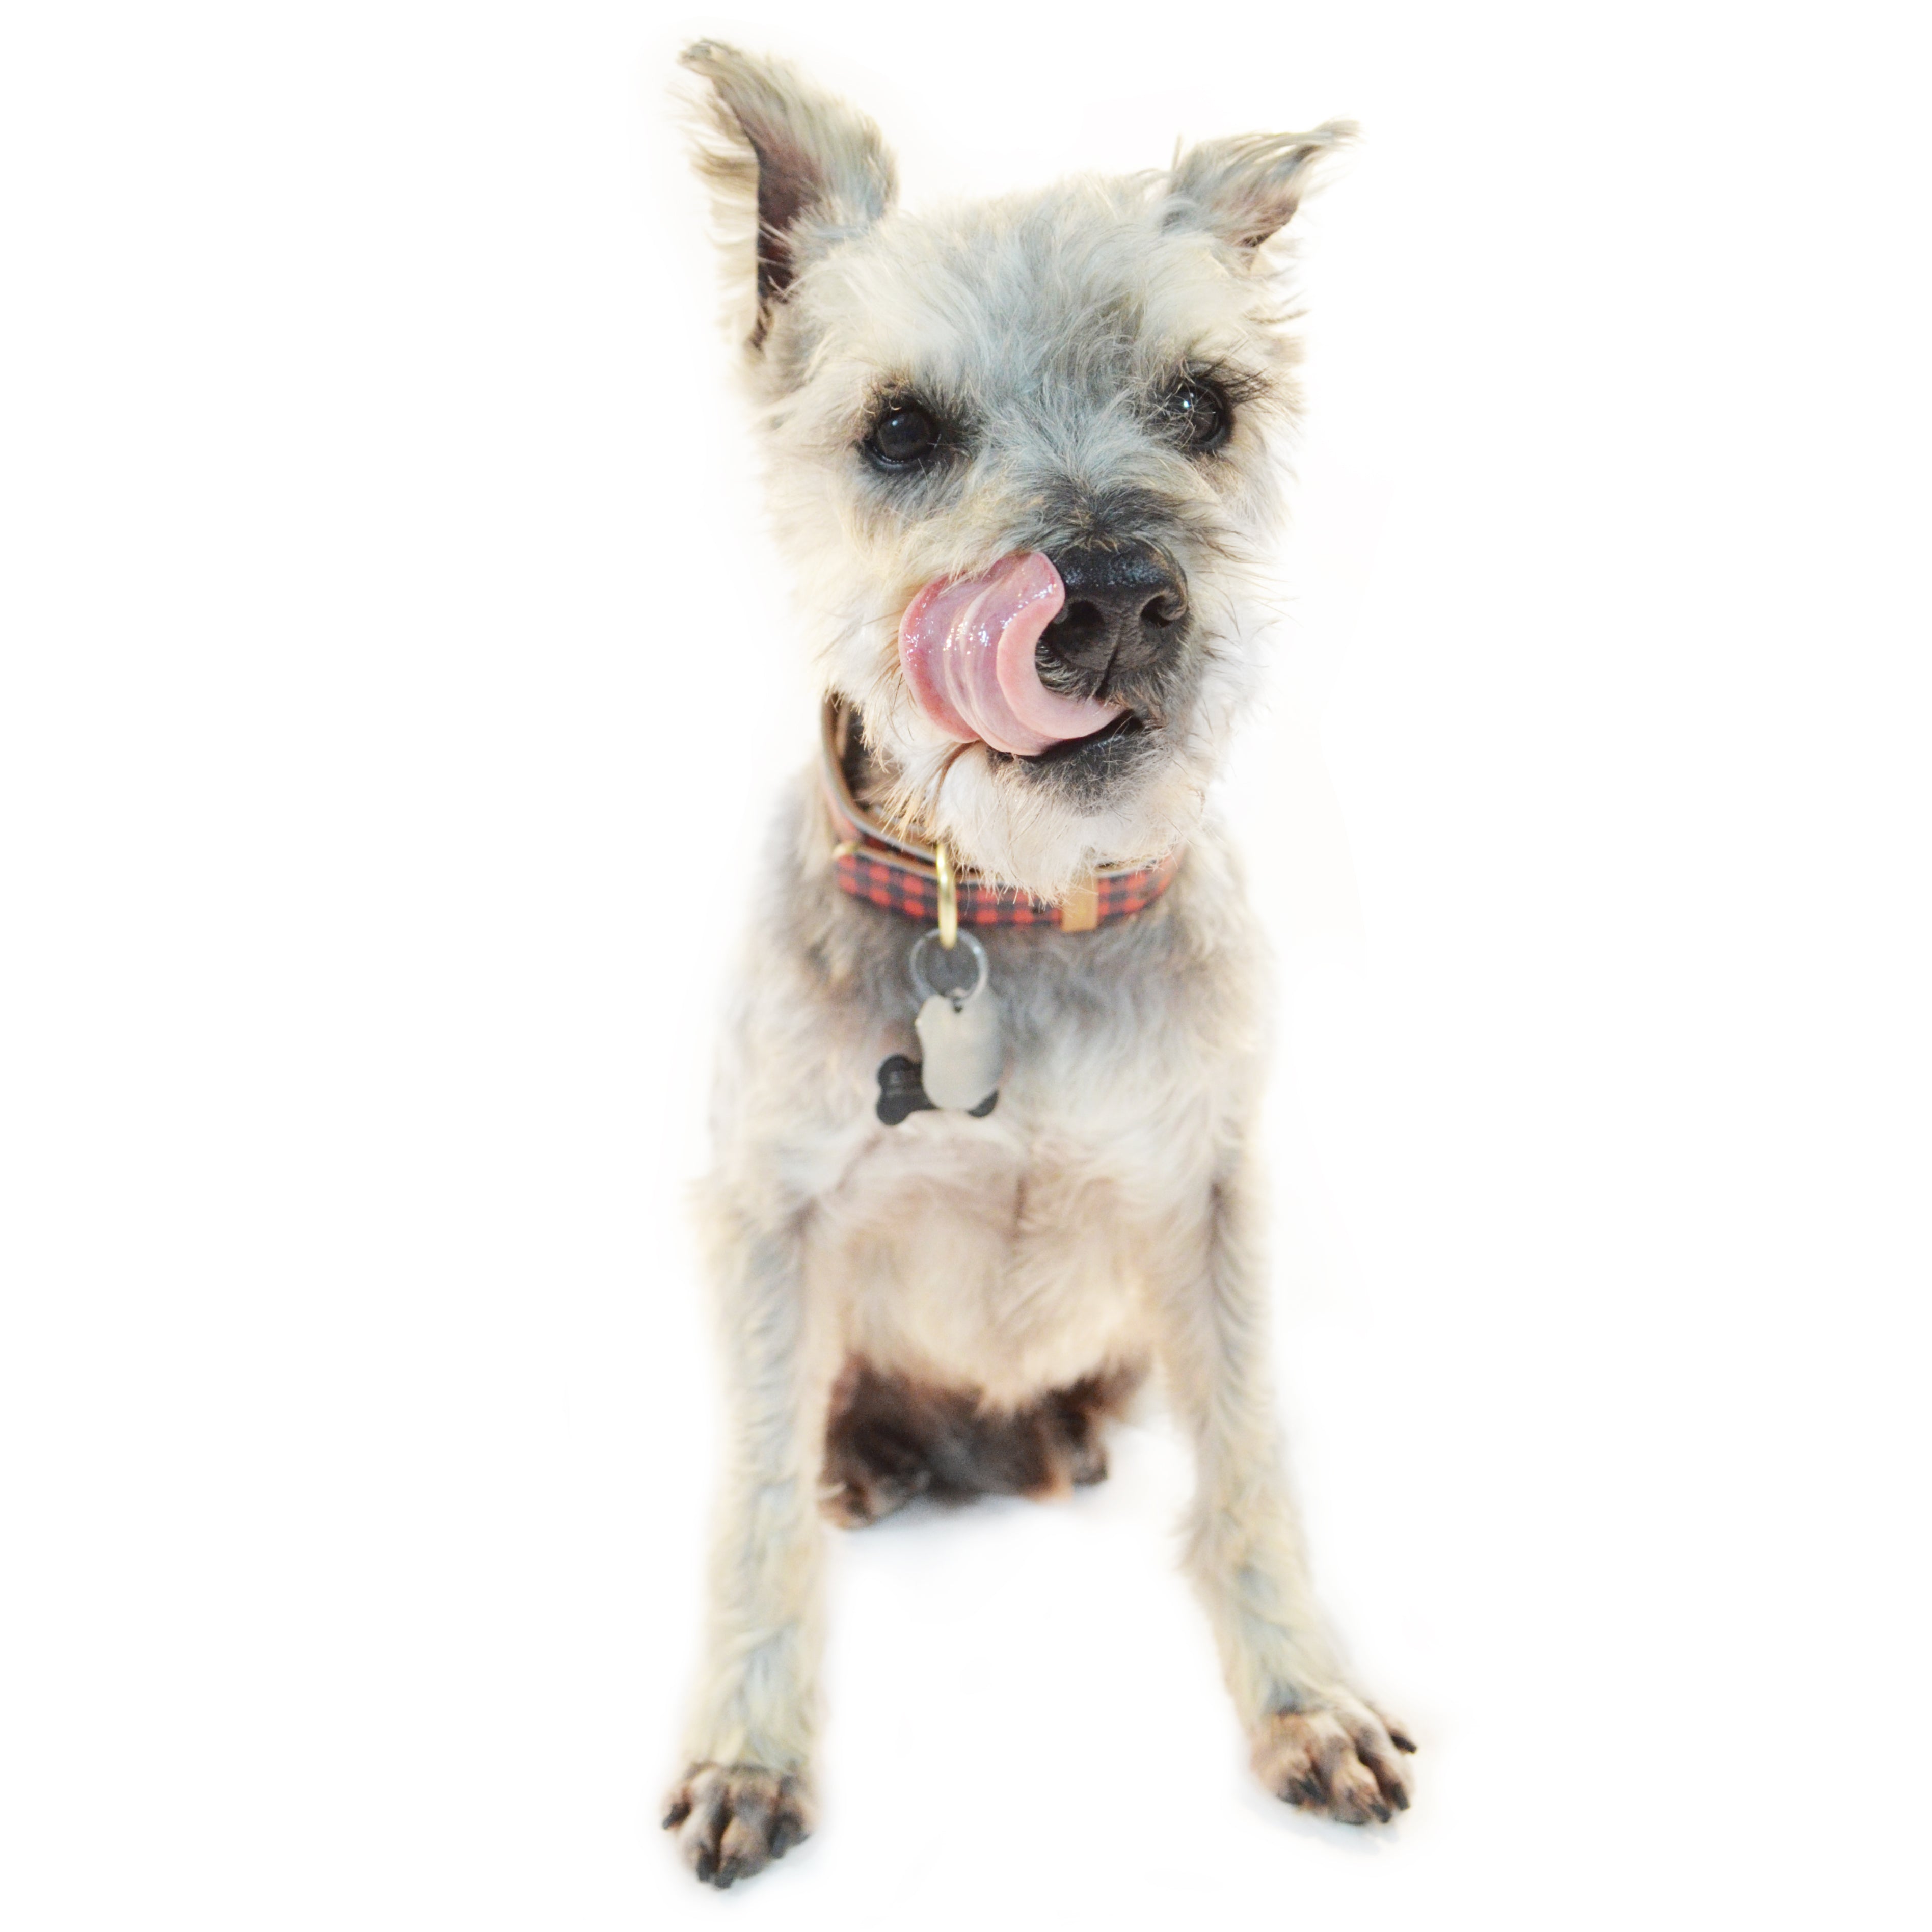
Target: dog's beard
1040 825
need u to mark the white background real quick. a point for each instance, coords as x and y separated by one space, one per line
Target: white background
396 678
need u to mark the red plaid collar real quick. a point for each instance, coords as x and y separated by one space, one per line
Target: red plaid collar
902 876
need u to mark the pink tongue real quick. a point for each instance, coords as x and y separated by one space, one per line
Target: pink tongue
966 646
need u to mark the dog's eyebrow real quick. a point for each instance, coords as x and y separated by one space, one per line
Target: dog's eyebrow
1240 385
940 397
958 421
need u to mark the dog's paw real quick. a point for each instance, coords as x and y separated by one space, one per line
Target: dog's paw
1336 1757
733 1819
861 1488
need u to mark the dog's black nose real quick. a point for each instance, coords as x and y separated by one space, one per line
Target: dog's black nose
1123 604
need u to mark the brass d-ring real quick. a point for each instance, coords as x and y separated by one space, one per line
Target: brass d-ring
949 896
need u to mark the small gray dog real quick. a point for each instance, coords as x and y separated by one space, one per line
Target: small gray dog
1020 453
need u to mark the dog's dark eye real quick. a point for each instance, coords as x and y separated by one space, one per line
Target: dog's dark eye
1197 416
904 436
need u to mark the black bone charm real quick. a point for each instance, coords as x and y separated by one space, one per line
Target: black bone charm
900 1093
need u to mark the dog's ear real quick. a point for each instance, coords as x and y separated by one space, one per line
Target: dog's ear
791 170
1244 190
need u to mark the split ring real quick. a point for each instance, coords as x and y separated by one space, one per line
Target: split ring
925 988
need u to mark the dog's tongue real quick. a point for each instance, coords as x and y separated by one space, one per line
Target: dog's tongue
967 645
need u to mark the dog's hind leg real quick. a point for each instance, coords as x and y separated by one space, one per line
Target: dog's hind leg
1315 1744
745 1796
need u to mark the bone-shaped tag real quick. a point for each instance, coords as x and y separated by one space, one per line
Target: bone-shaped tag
900 1093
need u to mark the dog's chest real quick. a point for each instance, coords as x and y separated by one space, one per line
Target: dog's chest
1014 1251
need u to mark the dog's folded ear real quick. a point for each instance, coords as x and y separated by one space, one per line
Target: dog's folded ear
792 170
1244 190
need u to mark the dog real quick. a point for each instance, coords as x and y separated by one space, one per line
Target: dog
985 1121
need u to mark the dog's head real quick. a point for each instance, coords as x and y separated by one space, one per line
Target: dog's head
1021 453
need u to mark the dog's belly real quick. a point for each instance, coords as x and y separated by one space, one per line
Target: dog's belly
966 1254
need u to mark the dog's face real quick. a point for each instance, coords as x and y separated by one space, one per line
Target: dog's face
1096 373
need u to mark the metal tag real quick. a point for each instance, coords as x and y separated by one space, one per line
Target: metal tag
959 1049
958 1028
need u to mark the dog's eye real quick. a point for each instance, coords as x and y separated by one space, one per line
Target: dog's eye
1197 415
904 436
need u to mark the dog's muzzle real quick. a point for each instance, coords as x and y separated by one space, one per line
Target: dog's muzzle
1034 656
1126 604
970 648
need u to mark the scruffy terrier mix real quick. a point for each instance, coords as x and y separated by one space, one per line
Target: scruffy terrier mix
984 1127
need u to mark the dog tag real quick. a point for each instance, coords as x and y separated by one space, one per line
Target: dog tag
959 1049
958 1029
901 1094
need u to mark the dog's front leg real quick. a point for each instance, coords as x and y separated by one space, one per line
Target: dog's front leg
745 1798
1315 1744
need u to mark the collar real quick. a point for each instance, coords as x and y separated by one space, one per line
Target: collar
915 880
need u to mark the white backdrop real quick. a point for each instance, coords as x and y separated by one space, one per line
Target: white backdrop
396 678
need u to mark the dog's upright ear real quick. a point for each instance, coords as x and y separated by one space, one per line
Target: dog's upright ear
1245 189
792 171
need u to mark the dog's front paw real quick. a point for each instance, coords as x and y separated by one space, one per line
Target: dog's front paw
1337 1757
733 1819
